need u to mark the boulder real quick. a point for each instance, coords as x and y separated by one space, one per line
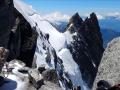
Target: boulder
50 75
35 78
50 86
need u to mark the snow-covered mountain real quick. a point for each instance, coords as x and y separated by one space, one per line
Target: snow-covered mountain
50 49
71 56
109 24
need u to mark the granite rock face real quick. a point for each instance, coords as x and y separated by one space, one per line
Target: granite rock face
6 21
109 69
87 45
16 34
28 39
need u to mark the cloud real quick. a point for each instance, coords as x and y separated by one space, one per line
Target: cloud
104 16
115 14
100 16
56 16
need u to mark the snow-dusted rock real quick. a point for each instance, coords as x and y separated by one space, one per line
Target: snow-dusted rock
36 78
50 86
16 63
3 57
50 75
15 79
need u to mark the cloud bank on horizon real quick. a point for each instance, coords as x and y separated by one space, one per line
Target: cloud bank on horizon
64 9
71 6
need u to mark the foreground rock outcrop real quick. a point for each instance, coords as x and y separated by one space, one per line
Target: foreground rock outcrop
6 22
27 78
3 57
86 45
16 34
109 69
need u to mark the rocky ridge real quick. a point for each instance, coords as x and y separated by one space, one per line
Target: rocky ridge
86 46
22 39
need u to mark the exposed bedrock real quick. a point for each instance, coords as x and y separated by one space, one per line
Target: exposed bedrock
16 34
87 45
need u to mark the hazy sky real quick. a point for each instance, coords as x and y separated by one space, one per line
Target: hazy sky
71 6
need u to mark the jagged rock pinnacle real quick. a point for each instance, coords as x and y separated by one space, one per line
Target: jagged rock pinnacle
76 19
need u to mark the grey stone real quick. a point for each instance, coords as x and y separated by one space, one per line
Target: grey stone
109 69
35 78
3 57
50 75
50 86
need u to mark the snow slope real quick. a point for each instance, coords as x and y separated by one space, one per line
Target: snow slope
59 20
56 39
71 67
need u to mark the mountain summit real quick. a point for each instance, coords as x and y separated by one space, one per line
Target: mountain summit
87 45
76 19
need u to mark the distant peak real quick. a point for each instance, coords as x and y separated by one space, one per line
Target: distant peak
76 15
76 19
93 15
94 19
